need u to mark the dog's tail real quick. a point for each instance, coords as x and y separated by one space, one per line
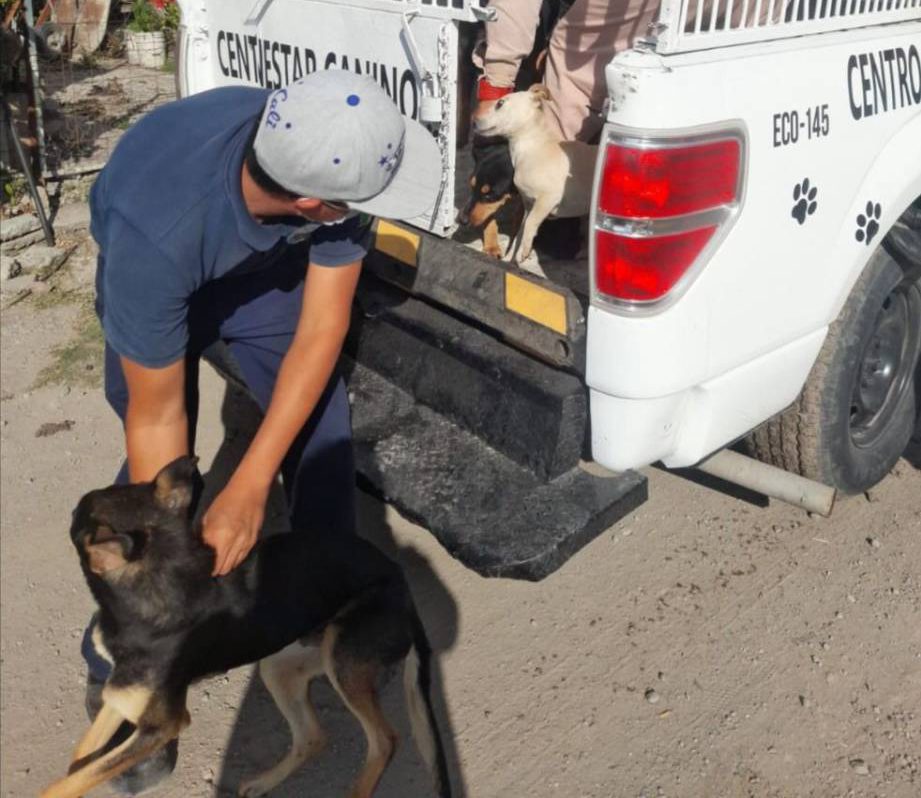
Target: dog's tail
417 684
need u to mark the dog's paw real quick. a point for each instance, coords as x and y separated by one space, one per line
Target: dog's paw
532 265
253 788
264 783
493 252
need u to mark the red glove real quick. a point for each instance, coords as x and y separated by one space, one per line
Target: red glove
486 92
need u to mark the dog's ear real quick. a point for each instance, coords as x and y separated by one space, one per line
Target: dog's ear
174 485
541 92
106 550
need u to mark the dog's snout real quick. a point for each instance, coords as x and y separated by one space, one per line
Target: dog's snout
481 125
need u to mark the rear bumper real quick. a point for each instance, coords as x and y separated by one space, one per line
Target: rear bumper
683 427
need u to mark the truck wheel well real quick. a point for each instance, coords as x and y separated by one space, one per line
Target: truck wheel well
903 241
860 404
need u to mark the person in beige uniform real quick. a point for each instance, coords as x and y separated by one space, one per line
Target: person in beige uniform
581 44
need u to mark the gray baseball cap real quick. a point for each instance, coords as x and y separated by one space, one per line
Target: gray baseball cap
334 135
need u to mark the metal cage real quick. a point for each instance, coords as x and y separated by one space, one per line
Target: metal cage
686 25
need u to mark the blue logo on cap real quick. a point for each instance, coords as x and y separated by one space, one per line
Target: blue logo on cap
273 117
353 99
389 161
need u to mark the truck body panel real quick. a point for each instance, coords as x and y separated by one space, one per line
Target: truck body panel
525 376
762 298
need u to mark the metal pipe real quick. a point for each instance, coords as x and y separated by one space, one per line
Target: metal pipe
27 171
36 87
36 119
26 165
770 481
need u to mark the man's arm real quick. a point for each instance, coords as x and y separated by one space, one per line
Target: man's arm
510 39
156 425
233 521
144 296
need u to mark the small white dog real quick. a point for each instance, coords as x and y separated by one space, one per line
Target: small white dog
553 176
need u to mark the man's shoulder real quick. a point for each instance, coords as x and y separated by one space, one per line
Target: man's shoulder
193 121
168 165
244 100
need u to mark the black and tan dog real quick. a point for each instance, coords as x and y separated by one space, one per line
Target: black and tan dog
302 606
491 190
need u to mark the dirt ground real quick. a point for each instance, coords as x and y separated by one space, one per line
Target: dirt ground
707 645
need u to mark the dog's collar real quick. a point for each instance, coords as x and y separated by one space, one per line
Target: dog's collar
486 92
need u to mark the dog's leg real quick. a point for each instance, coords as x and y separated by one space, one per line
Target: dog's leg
417 686
287 676
140 745
354 681
491 239
535 218
106 723
483 214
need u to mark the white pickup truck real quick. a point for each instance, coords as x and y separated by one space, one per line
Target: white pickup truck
754 271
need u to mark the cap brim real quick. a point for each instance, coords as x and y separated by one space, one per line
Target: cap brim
414 188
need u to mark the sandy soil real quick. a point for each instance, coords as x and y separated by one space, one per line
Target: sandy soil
704 646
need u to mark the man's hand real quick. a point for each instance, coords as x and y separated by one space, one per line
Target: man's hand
232 524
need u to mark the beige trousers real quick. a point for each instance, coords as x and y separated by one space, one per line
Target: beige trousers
582 44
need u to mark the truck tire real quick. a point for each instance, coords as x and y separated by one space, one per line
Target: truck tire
858 409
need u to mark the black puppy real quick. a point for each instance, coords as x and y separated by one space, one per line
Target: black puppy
301 605
491 188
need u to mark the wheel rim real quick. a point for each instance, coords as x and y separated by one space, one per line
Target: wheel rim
887 367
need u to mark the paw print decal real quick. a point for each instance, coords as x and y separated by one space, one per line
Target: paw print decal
804 203
868 223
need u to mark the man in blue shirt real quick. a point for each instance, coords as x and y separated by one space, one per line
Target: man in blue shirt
239 215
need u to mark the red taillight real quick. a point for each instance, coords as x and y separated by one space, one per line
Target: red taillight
642 269
692 186
651 183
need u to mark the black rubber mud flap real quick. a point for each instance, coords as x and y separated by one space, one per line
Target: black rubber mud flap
492 514
475 440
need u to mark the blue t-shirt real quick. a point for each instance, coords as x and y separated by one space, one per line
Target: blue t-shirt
168 215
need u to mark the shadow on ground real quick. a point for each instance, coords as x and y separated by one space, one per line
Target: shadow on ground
260 735
913 453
